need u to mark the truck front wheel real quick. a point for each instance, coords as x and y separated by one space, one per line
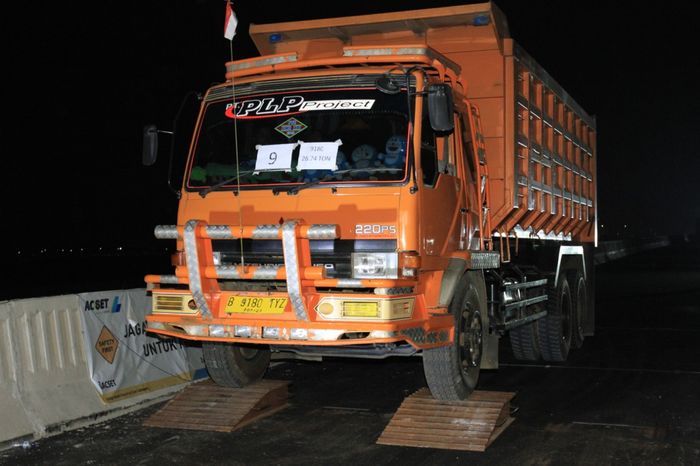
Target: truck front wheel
453 371
234 365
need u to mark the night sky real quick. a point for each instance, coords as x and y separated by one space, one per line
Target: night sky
84 79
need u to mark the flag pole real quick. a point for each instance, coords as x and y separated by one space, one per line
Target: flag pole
229 32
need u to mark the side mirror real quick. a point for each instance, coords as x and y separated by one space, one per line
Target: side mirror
440 108
150 145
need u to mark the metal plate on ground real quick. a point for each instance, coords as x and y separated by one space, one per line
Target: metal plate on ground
210 407
471 425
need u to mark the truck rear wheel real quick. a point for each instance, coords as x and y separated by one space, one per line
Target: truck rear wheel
235 365
525 342
580 307
555 329
452 372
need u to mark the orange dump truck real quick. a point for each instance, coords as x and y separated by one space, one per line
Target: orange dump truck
397 184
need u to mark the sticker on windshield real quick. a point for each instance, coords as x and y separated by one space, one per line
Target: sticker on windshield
279 105
290 128
274 157
344 104
318 155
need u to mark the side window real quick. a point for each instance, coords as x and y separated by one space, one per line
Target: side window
428 151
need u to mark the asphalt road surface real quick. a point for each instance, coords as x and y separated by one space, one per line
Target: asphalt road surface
631 395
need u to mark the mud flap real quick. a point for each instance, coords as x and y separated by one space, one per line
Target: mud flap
489 359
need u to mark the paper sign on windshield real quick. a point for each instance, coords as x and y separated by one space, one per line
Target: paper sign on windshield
274 157
318 155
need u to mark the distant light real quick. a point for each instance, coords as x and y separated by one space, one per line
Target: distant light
481 20
119 248
274 38
602 226
625 225
19 253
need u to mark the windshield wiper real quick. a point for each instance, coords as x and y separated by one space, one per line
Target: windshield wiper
213 187
308 184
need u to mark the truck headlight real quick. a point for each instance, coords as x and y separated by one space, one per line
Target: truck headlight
375 265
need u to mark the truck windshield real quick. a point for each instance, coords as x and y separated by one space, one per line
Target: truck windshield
340 136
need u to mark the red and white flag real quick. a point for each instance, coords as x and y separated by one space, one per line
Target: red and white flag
231 22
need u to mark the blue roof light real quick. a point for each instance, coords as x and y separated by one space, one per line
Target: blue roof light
274 38
481 20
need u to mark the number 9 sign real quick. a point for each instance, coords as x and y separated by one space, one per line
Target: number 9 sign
274 157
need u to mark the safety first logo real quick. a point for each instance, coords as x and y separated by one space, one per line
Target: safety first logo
107 345
271 106
103 305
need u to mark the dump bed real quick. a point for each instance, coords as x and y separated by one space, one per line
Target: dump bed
540 144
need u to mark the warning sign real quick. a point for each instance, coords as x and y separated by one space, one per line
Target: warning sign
106 345
124 360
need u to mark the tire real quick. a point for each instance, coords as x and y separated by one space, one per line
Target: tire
525 342
234 365
555 329
452 372
579 297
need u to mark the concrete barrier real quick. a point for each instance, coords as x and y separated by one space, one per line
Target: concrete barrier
45 385
15 420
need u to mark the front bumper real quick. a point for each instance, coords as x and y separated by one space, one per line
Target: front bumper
304 320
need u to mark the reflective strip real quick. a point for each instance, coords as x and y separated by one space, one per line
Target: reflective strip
219 232
228 271
193 267
244 65
270 231
166 232
322 232
386 51
289 244
349 283
169 279
394 291
266 232
427 51
266 272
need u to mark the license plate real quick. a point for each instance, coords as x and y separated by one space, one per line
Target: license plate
255 305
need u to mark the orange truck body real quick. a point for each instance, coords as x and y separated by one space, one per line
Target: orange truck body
519 166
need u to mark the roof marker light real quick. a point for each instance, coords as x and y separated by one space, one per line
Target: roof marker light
481 20
274 38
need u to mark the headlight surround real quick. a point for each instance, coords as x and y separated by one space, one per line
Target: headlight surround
375 265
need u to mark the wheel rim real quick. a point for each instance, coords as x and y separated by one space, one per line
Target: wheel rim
470 340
